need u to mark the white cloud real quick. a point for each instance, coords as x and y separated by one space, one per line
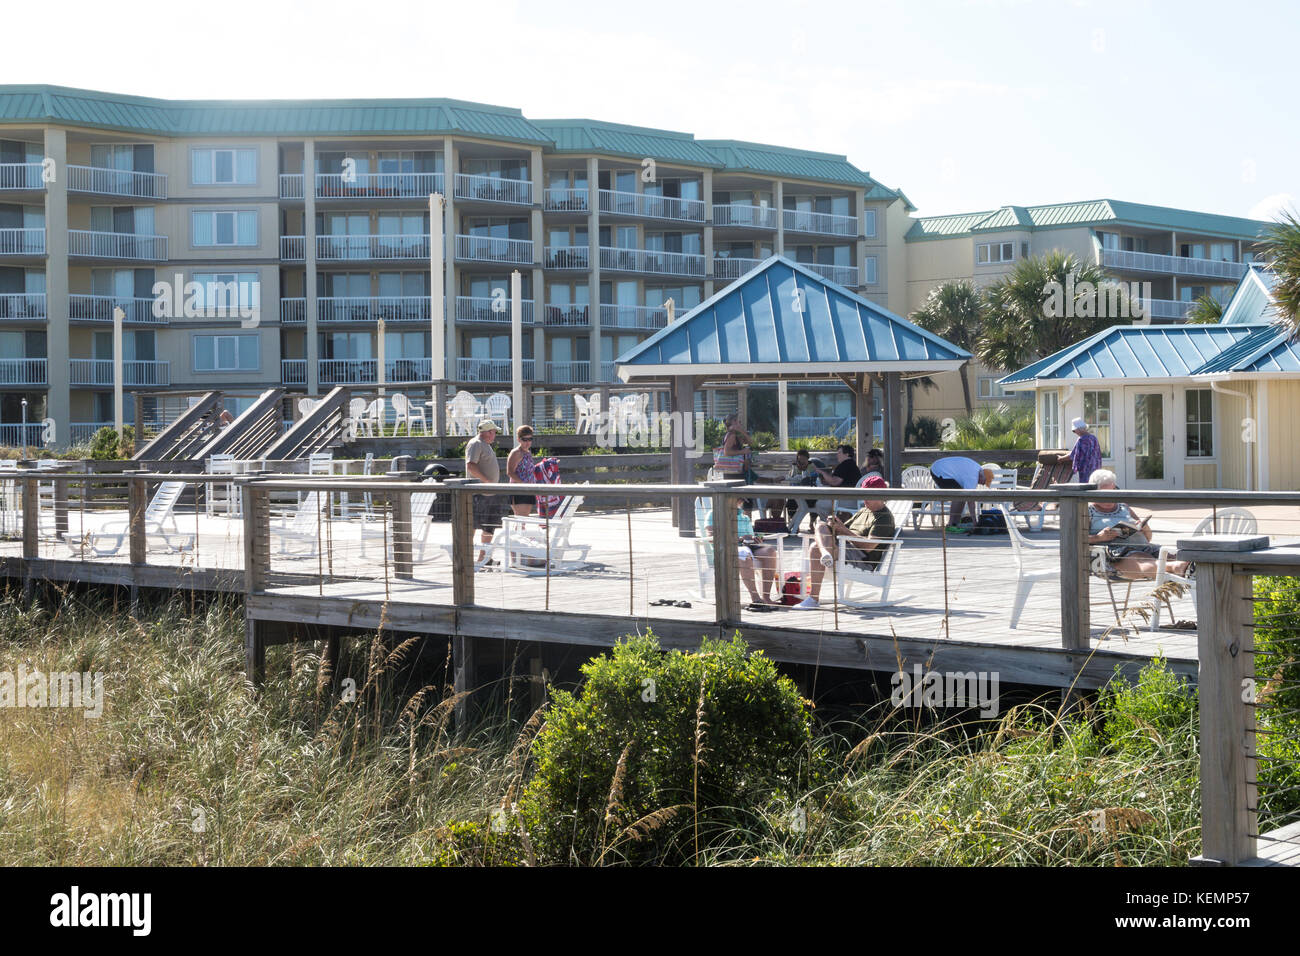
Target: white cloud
1270 206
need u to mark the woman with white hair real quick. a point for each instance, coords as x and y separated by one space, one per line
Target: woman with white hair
1085 456
1126 536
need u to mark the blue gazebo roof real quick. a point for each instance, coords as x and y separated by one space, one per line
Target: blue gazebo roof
781 320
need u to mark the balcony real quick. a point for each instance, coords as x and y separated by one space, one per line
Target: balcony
390 308
17 435
23 306
23 177
489 370
843 275
23 371
373 186
618 203
102 181
293 311
22 242
492 249
643 317
517 192
99 308
291 248
741 215
354 248
561 258
566 200
116 245
566 315
733 267
1167 308
820 223
483 308
291 186
568 373
364 371
1172 265
293 371
99 372
652 262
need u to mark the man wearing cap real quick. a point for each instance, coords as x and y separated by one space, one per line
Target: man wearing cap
1086 453
873 520
481 463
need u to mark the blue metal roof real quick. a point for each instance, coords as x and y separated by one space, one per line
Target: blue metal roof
781 318
1163 351
1252 300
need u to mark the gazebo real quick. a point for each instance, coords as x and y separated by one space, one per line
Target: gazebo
783 322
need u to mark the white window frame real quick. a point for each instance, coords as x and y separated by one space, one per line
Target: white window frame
869 223
1212 422
257 229
234 165
1106 454
216 352
1049 419
1006 250
870 271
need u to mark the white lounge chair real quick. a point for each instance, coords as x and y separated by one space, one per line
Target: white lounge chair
1226 521
1021 548
159 525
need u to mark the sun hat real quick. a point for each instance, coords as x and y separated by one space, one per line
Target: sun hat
1077 424
487 425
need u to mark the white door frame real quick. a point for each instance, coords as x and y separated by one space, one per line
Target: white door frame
1125 450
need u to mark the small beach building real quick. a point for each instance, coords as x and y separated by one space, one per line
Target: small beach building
1181 406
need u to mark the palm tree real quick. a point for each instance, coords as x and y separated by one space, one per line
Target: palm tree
954 311
1280 245
1023 320
1206 310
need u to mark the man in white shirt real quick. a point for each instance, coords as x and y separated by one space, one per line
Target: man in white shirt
958 472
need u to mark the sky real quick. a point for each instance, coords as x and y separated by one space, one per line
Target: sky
963 104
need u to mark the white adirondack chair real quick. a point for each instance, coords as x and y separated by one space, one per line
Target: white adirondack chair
850 577
1021 549
421 521
1227 521
304 528
159 524
520 545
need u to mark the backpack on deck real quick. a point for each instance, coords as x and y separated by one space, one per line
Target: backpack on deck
991 522
792 588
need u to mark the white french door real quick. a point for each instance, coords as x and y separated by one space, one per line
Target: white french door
1148 448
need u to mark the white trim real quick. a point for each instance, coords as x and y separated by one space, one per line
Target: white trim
770 371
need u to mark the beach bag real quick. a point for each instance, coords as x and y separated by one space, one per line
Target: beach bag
728 462
547 472
792 588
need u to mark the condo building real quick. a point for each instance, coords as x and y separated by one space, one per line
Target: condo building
317 213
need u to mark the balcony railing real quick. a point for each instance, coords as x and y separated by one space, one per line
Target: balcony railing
99 308
565 199
103 181
351 248
293 371
489 370
293 311
492 249
844 275
24 371
377 185
1176 265
567 257
25 176
568 373
390 308
649 261
22 305
633 317
116 245
483 308
567 315
291 186
83 432
16 434
607 371
494 189
22 242
100 372
733 267
616 202
1167 308
744 215
820 223
365 371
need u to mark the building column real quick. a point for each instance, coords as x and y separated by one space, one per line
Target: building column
860 242
707 194
450 165
312 343
593 276
538 232
58 400
778 197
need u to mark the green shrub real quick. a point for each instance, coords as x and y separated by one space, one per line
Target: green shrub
923 432
1277 677
991 428
819 443
472 843
762 441
658 750
1160 707
107 446
714 432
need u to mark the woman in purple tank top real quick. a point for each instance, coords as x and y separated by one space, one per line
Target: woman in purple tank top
519 466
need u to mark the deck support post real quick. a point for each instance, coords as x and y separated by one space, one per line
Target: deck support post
257 558
254 653
138 502
462 663
31 518
895 427
726 562
462 540
1076 617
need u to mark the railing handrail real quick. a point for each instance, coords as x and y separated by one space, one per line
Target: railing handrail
105 180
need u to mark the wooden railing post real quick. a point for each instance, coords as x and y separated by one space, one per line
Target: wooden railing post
137 503
462 540
1076 612
726 562
31 518
257 536
60 507
403 553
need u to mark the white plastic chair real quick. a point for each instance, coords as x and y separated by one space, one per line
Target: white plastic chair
497 408
1021 548
357 412
919 477
222 465
581 415
849 576
464 412
408 414
375 414
1227 521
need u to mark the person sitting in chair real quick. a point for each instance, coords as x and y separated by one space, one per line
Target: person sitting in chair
1127 537
873 520
753 556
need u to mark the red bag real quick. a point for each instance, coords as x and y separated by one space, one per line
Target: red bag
791 588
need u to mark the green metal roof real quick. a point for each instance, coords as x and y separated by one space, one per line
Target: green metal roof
615 139
738 156
1095 212
56 104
